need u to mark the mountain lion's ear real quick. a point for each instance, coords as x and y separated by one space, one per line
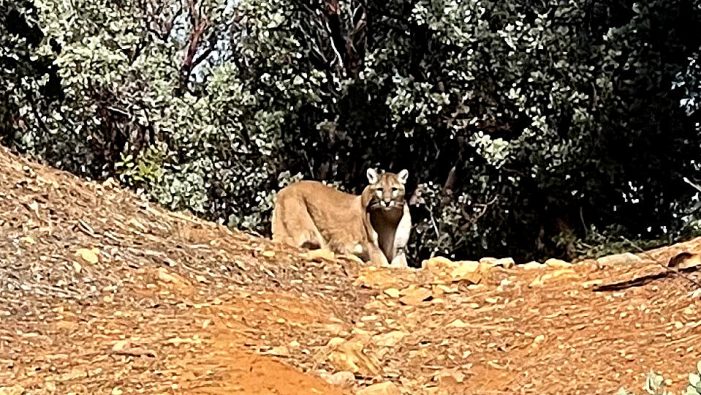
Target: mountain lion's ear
403 175
373 178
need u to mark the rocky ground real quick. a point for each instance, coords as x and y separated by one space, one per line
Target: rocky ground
101 292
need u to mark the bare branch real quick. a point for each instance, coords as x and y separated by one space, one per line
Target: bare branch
449 184
696 186
160 19
333 27
198 25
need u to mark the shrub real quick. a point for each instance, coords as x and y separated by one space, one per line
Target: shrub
524 126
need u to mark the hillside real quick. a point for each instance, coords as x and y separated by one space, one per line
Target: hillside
101 292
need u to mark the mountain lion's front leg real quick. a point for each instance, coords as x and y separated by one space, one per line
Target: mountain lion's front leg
399 259
401 239
376 255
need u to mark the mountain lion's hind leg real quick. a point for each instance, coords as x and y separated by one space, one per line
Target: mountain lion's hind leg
293 225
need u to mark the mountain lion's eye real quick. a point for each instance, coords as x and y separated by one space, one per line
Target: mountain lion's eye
394 189
379 189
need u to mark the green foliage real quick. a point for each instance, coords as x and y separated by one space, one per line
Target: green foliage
526 127
655 384
694 386
608 241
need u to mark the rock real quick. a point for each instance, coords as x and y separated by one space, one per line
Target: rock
489 260
349 355
278 351
392 292
437 300
445 271
268 254
88 255
619 259
532 265
447 289
172 278
138 225
374 305
353 258
437 292
361 335
389 339
437 263
506 263
592 283
467 266
334 329
458 324
343 379
467 271
538 339
50 387
335 342
449 377
319 254
557 263
121 345
14 390
373 277
27 240
503 284
539 281
415 296
685 260
386 388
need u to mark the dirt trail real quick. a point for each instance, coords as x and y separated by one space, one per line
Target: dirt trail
101 292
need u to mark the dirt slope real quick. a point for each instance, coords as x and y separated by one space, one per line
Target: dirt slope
101 292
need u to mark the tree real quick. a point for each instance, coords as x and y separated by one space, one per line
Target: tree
529 128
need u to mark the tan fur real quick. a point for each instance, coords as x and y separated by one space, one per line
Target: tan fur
389 214
309 214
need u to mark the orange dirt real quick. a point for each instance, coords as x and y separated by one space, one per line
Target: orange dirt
101 292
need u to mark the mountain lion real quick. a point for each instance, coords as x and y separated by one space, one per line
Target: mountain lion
375 226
